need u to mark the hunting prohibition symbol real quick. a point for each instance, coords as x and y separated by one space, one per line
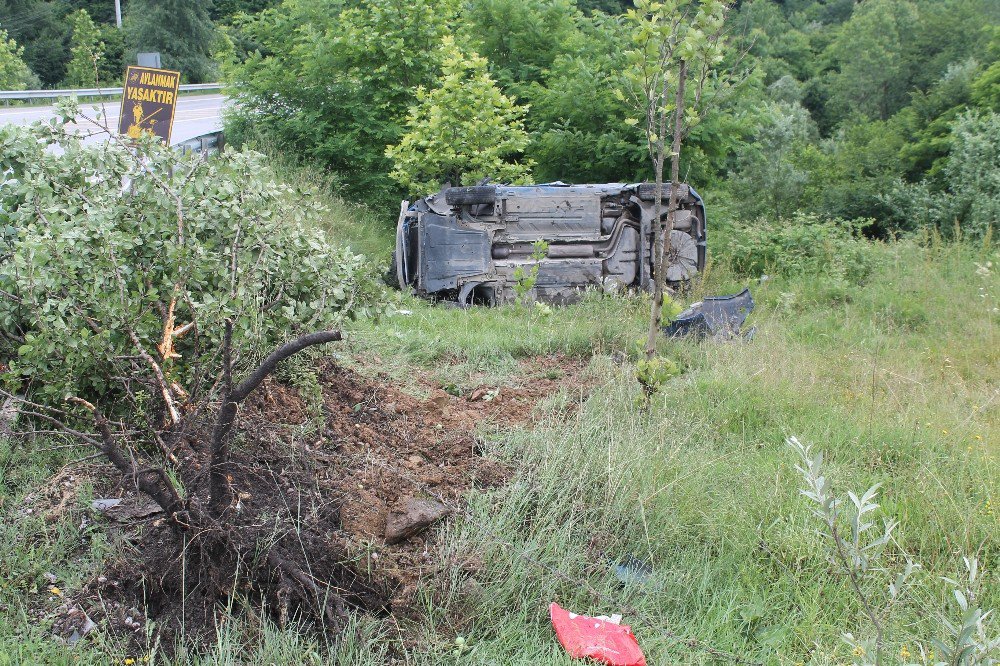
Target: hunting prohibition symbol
148 101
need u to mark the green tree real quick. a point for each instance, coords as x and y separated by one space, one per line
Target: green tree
769 178
111 65
87 52
102 11
463 130
522 38
926 123
226 10
932 48
38 26
850 171
14 74
779 48
333 83
606 6
871 59
180 30
585 142
986 88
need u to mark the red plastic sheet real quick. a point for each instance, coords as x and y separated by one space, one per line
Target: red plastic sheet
603 641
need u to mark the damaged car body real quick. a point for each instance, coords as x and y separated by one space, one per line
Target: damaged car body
466 244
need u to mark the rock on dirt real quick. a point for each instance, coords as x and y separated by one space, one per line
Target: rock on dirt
410 517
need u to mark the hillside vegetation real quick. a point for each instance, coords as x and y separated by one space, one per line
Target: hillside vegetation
849 157
892 374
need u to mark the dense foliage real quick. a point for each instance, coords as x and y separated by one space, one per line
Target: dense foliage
464 129
156 241
851 111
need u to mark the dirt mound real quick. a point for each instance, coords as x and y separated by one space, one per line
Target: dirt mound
343 482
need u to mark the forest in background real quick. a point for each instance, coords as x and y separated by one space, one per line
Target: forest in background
881 112
871 111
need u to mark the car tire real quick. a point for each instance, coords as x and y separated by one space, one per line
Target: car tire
682 263
470 196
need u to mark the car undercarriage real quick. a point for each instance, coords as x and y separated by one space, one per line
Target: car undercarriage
474 244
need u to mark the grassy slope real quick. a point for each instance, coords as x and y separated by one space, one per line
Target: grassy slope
897 382
895 379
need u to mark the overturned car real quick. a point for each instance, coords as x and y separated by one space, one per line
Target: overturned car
466 244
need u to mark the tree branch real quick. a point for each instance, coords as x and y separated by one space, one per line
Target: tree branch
219 476
175 416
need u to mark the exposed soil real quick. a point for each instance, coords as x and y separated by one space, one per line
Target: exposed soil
320 478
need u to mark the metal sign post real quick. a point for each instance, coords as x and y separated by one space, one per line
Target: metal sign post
148 102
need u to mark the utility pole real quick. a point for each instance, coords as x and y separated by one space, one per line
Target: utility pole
118 13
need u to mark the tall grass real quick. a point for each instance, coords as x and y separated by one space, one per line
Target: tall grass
896 378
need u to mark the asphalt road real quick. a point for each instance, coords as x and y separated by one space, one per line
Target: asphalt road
195 115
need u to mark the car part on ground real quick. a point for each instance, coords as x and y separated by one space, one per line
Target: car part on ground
719 317
473 244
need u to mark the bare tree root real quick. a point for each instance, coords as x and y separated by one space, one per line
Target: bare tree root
202 518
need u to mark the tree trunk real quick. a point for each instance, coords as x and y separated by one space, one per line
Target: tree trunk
661 232
219 495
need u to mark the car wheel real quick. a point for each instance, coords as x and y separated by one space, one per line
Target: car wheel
683 257
469 196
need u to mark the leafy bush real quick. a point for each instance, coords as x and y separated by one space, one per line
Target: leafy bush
463 130
858 548
332 83
111 251
806 244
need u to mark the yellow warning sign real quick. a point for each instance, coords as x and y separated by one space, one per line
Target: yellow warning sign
148 102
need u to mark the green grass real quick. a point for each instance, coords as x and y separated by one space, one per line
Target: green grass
896 380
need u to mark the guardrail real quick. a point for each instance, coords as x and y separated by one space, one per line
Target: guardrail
90 92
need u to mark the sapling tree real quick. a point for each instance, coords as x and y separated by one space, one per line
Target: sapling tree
86 50
857 549
525 279
677 49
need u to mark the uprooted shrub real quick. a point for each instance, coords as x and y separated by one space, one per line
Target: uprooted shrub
137 287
